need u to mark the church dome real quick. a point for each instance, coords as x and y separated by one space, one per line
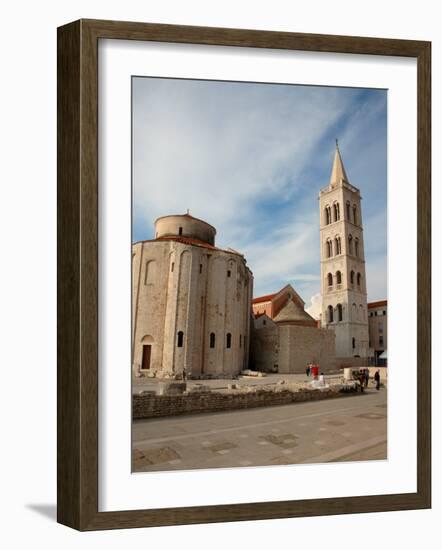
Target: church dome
185 225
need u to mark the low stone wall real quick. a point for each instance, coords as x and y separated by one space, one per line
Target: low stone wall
150 405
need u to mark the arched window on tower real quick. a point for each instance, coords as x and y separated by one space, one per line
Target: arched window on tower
352 277
329 248
330 280
350 244
180 339
337 245
330 314
327 215
339 308
338 278
229 340
338 213
348 208
356 247
335 213
355 215
212 339
359 279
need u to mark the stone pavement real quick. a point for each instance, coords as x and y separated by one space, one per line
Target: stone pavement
346 429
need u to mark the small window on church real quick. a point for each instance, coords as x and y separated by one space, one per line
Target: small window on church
180 231
355 216
338 277
352 277
180 339
229 340
172 266
353 343
330 279
229 273
201 268
212 339
356 247
359 278
348 211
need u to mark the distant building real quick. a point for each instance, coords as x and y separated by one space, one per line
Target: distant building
343 278
378 329
285 338
190 302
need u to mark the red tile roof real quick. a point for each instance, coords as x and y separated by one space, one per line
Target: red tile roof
377 304
267 298
187 240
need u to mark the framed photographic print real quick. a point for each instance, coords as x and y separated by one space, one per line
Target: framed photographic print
243 275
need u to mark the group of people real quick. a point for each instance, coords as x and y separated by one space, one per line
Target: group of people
364 376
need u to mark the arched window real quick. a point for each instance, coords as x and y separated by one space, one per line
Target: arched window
359 279
335 212
352 277
353 343
339 306
172 266
229 340
350 244
338 213
337 245
348 211
240 338
229 273
338 277
180 339
330 314
356 247
180 231
150 273
354 312
355 216
212 339
329 248
330 279
327 212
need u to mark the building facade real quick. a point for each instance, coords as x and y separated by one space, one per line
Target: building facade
378 329
190 302
343 277
285 338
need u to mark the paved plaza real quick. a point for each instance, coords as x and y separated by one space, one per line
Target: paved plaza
343 429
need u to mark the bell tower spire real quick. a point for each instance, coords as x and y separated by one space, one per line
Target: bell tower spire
338 174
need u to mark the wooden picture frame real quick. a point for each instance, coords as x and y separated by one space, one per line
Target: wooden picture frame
77 225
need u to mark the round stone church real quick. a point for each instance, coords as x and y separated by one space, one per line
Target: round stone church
190 302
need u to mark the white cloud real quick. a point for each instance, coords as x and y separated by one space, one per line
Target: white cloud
237 156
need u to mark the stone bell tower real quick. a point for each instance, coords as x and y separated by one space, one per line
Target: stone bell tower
343 279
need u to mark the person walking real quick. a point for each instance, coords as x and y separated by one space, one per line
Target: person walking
361 380
377 379
367 377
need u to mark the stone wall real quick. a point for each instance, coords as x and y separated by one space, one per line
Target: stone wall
150 405
299 346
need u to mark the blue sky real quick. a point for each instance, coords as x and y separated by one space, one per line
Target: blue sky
250 159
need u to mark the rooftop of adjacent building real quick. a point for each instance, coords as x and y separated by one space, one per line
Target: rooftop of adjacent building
379 303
